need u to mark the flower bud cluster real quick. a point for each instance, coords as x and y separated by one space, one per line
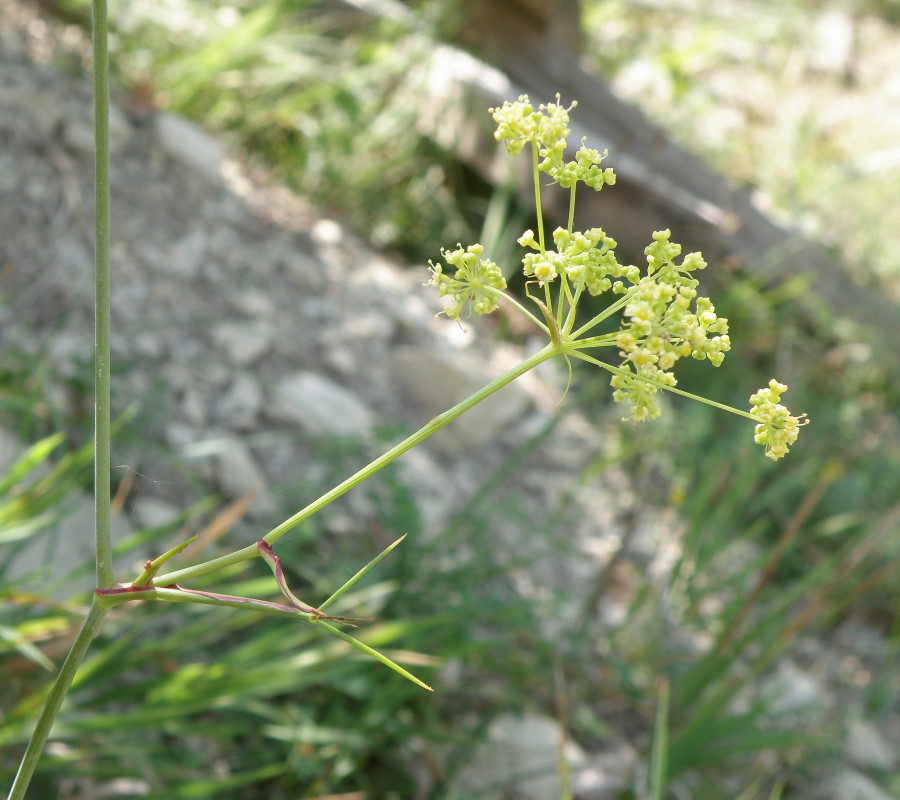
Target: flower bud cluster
665 321
631 388
547 127
585 168
472 282
778 428
586 258
518 123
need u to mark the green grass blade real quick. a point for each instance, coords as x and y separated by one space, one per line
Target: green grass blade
31 458
369 651
359 574
659 755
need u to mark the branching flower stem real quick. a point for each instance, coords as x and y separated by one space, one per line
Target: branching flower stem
436 424
577 353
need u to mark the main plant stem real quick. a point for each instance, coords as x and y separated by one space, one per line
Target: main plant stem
55 698
103 544
102 511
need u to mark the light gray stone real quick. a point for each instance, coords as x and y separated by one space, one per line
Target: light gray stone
253 303
239 474
319 406
151 512
243 343
9 449
519 757
866 746
792 689
190 145
186 257
193 408
606 774
306 271
434 381
428 484
851 785
63 546
241 403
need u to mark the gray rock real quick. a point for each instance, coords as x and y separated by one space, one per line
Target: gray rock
319 406
867 747
519 758
151 512
62 547
193 409
240 406
190 145
239 474
427 484
306 271
253 303
434 381
187 256
792 689
851 785
10 449
244 343
605 775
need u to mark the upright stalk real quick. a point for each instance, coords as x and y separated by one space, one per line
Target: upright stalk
103 545
55 698
102 540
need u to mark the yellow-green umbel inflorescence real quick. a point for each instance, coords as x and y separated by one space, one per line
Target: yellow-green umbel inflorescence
663 319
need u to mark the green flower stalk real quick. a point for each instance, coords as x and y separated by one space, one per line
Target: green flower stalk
663 319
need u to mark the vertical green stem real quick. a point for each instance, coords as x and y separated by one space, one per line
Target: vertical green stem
103 544
54 700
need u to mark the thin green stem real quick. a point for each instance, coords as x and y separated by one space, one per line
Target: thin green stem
574 351
605 314
359 574
510 299
169 595
102 423
569 322
55 698
369 651
103 545
572 208
116 597
537 196
436 424
604 340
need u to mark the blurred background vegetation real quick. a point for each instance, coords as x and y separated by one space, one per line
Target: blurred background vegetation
317 95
